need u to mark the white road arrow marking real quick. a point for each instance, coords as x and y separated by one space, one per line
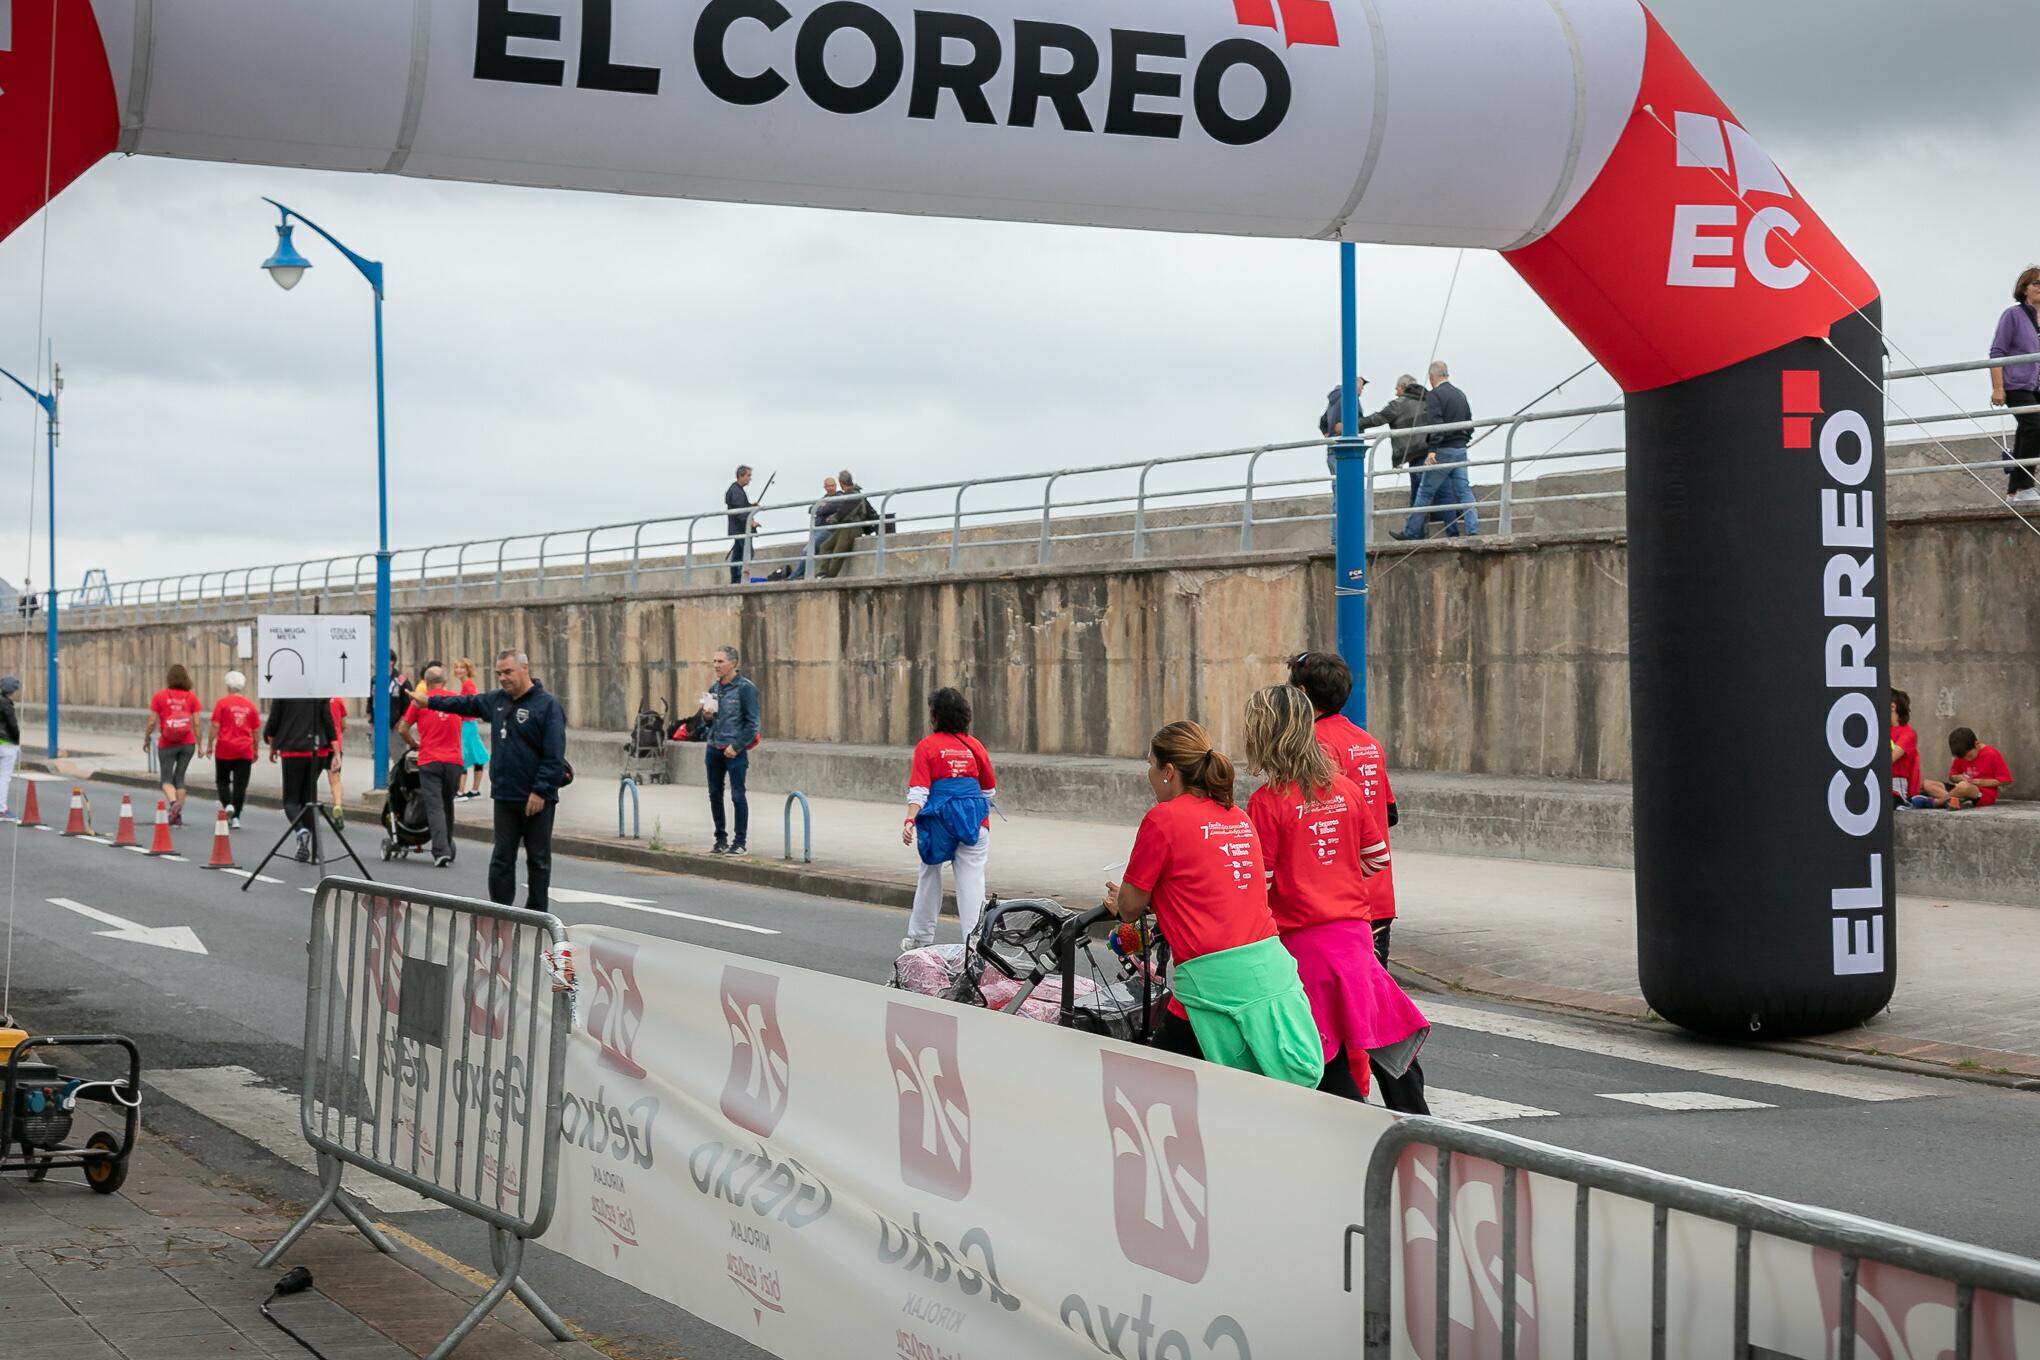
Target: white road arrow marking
575 895
181 938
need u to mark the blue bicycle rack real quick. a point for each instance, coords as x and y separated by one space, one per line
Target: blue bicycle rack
623 785
807 827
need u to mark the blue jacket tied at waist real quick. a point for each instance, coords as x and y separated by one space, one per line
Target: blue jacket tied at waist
953 815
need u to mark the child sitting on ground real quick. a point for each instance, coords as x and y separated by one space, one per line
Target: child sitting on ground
1975 774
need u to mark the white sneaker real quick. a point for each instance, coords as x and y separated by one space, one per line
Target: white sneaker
908 944
2030 496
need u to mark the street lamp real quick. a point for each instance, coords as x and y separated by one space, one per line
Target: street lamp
286 266
48 402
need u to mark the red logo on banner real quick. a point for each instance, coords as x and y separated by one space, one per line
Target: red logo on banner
384 950
1904 1316
1303 21
488 980
619 1006
934 1107
754 1097
1476 1268
1160 1189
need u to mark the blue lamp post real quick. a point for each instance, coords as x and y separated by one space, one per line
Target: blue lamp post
48 402
286 266
1349 496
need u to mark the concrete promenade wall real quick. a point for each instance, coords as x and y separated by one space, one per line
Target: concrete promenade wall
1505 657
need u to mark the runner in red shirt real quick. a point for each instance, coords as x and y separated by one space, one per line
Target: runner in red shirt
1328 683
1197 862
330 759
174 715
1321 843
230 745
948 765
435 736
1975 774
1905 749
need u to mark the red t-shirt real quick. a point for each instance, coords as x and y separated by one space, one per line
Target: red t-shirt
176 713
235 721
1905 766
1202 863
1320 851
438 734
1358 755
949 755
1988 764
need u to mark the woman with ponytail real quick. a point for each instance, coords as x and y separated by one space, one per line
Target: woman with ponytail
1197 862
1321 842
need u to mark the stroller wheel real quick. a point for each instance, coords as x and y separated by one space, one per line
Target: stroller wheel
389 849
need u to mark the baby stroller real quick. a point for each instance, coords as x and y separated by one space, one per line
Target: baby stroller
1034 957
405 827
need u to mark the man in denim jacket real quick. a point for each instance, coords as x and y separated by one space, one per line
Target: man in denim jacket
732 731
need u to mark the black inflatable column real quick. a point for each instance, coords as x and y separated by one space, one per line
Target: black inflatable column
1759 695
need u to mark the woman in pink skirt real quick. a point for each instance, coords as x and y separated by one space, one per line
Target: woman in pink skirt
1319 841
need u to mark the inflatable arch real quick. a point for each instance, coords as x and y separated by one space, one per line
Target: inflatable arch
1571 135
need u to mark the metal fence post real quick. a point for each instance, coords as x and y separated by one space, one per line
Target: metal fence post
878 565
1047 505
1508 513
636 540
687 562
956 531
1140 511
1247 504
502 546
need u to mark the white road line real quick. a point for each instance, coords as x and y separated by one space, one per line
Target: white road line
138 849
302 890
1676 1050
1685 1100
1469 1108
690 916
236 1097
249 873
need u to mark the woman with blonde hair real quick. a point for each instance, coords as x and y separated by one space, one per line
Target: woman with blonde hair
474 753
1321 841
1197 862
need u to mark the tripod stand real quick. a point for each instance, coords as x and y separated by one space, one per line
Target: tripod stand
307 821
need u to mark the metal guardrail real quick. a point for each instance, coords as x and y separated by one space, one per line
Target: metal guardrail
951 522
1854 1240
434 1058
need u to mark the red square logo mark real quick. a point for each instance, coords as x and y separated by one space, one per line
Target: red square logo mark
1800 403
754 1096
1161 1193
618 1010
934 1106
1309 22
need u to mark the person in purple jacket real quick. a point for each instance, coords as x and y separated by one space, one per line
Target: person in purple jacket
2016 385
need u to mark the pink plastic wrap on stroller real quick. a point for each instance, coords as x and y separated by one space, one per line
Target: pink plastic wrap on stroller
938 971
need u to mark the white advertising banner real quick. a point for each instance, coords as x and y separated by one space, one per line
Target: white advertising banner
828 1168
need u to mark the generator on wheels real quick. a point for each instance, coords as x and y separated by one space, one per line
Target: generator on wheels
38 1104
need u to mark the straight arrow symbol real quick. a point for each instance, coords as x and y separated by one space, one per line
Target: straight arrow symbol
180 938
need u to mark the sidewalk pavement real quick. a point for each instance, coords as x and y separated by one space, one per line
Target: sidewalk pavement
1550 934
164 1269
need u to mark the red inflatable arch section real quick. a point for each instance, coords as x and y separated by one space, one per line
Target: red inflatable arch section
1572 135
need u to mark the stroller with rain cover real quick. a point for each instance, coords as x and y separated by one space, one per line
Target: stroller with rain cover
1036 958
404 824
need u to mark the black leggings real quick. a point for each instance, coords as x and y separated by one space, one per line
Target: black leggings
231 778
2026 444
1404 1094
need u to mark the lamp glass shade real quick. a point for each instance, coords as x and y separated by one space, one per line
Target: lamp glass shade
286 266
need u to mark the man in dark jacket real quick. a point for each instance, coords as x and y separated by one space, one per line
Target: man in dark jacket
738 502
1403 411
732 729
527 769
10 737
849 517
1444 463
297 731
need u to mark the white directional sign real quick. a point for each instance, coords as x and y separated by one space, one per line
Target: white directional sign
314 656
181 938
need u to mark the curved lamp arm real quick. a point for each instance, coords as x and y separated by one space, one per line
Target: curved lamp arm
370 269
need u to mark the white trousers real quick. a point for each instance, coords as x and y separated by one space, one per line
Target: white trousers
969 867
8 755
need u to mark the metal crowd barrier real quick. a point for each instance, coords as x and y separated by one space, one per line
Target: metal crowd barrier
1854 1240
435 1051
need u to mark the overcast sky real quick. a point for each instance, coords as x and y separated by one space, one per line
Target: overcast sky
559 360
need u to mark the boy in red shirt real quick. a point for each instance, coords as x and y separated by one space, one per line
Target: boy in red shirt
1328 683
1975 774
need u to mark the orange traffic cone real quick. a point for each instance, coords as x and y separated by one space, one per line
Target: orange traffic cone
31 815
222 845
76 825
125 834
161 844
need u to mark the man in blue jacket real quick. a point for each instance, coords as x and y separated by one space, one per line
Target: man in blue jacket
730 734
527 769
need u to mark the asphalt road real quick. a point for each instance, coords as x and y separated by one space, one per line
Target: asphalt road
1944 1156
